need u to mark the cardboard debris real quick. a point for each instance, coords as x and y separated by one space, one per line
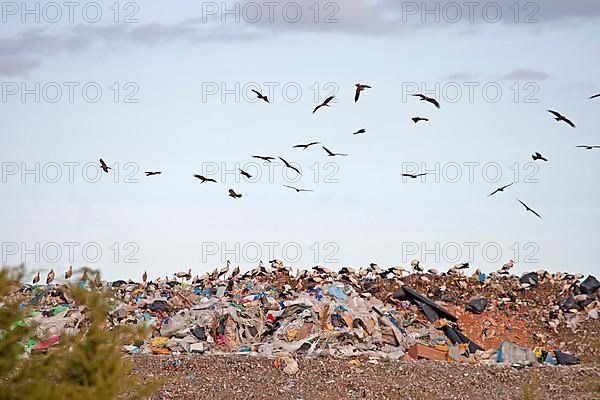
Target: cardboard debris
370 313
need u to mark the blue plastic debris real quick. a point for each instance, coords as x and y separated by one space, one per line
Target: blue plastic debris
337 292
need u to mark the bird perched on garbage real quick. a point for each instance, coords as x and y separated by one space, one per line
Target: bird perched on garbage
144 276
50 277
559 117
36 278
396 271
235 272
433 271
508 265
200 279
224 270
301 274
184 275
97 280
415 264
455 269
359 88
84 277
347 271
69 272
428 99
321 270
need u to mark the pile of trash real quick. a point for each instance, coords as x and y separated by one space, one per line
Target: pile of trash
370 313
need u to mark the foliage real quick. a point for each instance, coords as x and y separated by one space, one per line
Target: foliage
86 365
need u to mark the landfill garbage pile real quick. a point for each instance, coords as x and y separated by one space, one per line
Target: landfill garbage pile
369 313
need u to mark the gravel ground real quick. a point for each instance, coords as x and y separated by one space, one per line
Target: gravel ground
243 377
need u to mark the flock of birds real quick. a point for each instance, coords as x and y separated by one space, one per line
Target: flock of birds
373 268
536 157
372 271
327 103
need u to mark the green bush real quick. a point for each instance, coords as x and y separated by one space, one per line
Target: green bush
87 365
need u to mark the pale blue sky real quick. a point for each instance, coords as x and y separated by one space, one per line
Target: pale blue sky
370 214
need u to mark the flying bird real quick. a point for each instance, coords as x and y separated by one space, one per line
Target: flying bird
428 99
358 132
298 190
588 147
332 154
152 173
260 96
595 96
324 104
416 120
529 209
69 272
204 179
360 88
244 173
413 176
233 194
104 167
559 117
500 189
538 156
290 166
304 146
265 158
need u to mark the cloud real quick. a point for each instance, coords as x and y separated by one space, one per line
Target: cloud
448 12
27 49
16 66
526 74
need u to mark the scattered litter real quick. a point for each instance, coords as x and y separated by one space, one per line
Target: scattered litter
365 315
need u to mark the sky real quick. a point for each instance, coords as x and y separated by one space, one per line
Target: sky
149 87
